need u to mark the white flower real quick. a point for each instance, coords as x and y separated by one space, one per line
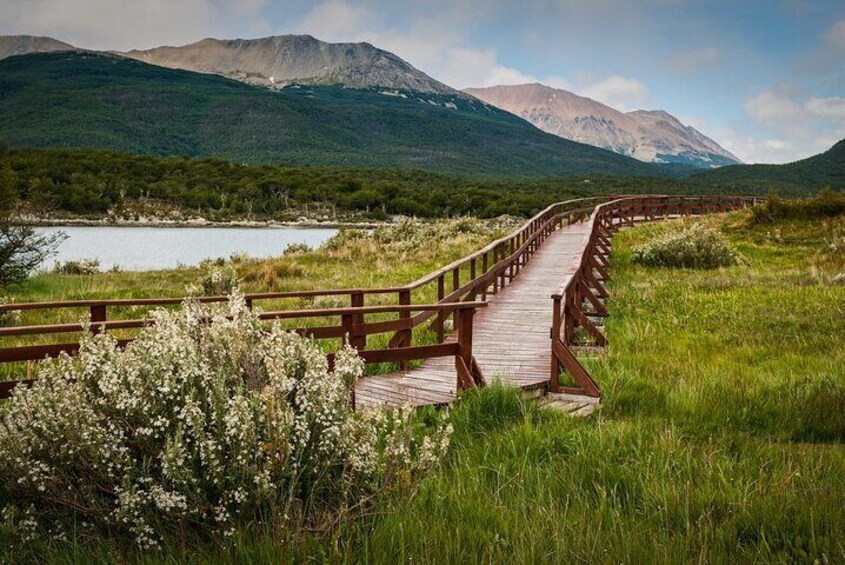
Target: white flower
198 424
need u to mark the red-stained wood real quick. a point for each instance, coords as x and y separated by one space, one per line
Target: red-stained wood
554 254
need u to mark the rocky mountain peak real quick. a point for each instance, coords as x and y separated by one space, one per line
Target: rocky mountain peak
280 60
648 135
11 45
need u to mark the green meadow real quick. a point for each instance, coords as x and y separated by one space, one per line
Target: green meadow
719 440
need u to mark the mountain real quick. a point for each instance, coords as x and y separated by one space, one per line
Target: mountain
653 136
811 174
84 99
284 59
11 45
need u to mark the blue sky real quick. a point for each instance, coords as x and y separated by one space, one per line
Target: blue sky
765 78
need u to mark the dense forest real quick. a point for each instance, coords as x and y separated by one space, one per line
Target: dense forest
86 182
93 182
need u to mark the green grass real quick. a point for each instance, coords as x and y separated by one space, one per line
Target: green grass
720 438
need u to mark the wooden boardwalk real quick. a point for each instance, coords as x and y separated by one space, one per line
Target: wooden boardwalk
549 276
511 335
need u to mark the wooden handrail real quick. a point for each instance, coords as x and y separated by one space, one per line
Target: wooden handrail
584 287
488 270
277 315
303 293
352 328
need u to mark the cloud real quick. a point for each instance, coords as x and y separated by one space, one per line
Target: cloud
619 92
777 107
785 125
433 43
775 144
836 35
751 148
126 24
335 20
833 108
478 67
693 59
771 106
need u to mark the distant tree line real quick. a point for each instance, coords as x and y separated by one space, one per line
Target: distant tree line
92 182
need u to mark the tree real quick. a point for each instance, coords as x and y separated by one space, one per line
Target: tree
22 247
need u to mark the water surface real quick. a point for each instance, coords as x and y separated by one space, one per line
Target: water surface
149 248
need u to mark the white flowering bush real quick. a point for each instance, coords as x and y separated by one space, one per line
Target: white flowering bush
696 247
209 420
218 281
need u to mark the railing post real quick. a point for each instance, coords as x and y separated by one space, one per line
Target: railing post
98 314
468 374
441 293
407 335
495 263
554 376
511 259
484 269
503 274
456 284
357 336
568 318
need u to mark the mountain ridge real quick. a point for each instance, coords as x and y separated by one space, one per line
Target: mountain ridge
648 135
87 99
825 169
13 45
280 60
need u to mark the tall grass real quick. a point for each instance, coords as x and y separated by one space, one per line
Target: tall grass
719 440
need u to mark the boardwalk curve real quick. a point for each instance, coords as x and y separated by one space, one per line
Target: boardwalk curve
518 306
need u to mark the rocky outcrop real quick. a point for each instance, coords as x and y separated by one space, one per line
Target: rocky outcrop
653 136
284 59
11 45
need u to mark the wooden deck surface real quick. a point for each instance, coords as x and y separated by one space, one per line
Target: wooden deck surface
510 337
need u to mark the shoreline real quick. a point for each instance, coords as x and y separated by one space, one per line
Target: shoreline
197 223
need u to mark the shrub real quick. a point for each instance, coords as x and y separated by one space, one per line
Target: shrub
826 203
217 282
294 248
199 427
8 317
345 237
697 247
77 267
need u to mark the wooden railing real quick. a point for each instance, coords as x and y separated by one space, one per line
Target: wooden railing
456 286
579 302
353 326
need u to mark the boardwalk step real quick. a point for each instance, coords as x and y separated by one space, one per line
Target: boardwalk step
573 404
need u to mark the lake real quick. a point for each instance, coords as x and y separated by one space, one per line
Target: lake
150 248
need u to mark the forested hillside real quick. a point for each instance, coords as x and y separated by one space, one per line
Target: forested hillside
73 99
813 173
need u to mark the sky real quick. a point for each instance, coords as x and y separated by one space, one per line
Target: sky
764 78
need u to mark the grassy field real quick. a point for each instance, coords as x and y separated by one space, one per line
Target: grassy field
720 438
